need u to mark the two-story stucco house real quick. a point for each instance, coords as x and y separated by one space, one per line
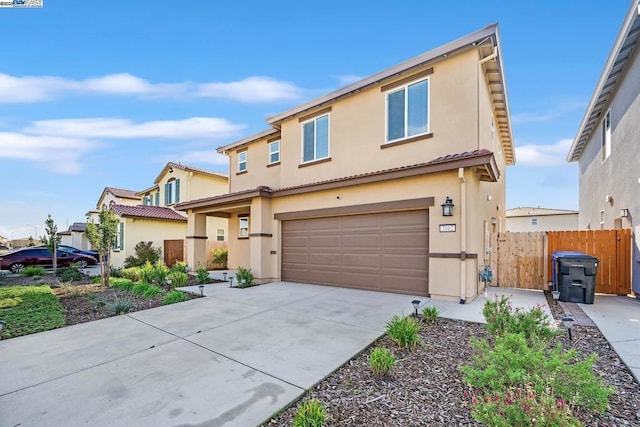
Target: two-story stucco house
149 215
347 189
607 145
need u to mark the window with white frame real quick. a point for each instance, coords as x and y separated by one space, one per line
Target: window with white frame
602 219
274 152
147 200
220 234
172 192
118 241
244 226
534 221
242 161
408 111
315 139
606 136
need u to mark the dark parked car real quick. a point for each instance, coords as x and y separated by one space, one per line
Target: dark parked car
41 257
72 250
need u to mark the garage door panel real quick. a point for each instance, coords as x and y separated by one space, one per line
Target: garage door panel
365 241
322 241
380 251
361 260
404 261
324 259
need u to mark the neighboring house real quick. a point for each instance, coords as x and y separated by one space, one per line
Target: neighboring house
149 215
607 146
541 219
76 237
347 189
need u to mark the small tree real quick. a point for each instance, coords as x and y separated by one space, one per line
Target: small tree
102 236
31 242
51 240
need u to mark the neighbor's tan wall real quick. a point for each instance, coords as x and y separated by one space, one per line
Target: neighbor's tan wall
193 185
545 223
108 198
357 130
136 230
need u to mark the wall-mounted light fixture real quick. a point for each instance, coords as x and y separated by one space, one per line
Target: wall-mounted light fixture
624 213
447 207
494 220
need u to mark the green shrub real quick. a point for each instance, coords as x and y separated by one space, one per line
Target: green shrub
180 267
152 292
244 277
502 318
403 330
202 275
96 279
115 272
310 413
145 252
31 271
93 298
159 274
174 297
178 279
220 256
146 272
9 302
381 361
430 313
120 283
69 274
120 305
140 288
38 310
131 273
515 365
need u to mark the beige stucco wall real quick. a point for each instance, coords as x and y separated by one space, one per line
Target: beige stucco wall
108 198
357 131
545 223
137 230
460 116
262 253
193 185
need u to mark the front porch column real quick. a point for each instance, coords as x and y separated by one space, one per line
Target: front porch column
261 238
196 240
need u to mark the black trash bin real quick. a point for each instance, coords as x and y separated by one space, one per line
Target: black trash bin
575 276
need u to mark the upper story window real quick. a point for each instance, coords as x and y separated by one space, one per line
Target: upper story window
242 161
274 152
408 111
315 139
172 192
606 136
534 221
147 200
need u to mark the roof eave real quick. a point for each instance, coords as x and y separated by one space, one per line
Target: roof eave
582 137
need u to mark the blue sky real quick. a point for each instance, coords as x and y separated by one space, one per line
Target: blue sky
96 94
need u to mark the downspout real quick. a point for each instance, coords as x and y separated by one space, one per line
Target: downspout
463 236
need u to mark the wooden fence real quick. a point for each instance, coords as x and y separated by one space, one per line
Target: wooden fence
523 260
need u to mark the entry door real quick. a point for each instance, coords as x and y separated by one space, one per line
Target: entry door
173 251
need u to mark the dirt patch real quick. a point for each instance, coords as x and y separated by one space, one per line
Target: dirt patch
427 389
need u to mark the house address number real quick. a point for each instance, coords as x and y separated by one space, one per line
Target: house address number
447 228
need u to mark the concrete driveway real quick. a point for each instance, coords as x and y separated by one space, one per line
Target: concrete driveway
233 358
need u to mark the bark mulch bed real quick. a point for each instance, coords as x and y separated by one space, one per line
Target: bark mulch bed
426 388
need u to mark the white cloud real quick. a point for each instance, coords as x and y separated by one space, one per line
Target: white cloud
543 155
113 128
43 88
554 113
59 154
347 79
252 89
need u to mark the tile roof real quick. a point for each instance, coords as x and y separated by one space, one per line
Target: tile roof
120 192
78 226
151 212
264 189
173 165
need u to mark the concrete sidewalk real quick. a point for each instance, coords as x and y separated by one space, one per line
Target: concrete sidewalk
618 318
233 358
